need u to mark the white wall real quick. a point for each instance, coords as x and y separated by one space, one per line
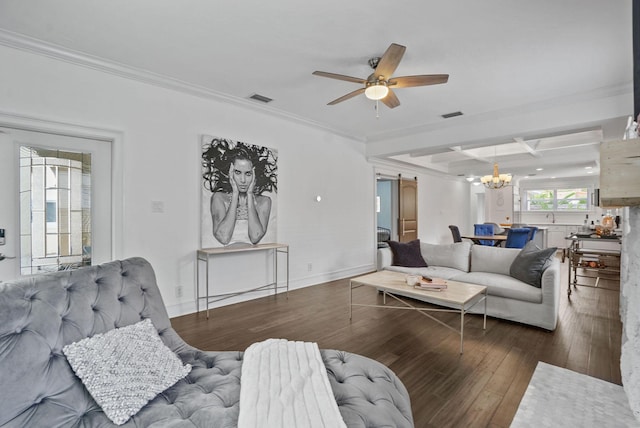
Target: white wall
498 205
160 162
442 201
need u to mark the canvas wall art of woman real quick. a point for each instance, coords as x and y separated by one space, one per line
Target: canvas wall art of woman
242 182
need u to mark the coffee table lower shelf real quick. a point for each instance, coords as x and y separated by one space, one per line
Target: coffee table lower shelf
459 297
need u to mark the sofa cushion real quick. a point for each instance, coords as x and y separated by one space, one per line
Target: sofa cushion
503 286
454 255
407 254
125 368
530 263
492 259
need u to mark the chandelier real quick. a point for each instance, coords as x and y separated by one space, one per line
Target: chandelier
497 180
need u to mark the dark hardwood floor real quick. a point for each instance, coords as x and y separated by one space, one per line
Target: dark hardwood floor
481 388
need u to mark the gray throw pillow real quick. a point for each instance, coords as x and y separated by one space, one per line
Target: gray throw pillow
530 263
125 368
407 254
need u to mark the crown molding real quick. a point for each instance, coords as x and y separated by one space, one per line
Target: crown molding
57 52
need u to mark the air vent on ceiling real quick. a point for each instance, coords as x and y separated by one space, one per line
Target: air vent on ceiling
260 98
453 114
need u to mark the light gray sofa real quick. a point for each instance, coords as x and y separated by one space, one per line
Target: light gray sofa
508 297
39 315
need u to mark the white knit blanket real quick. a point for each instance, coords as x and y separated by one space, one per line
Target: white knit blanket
285 384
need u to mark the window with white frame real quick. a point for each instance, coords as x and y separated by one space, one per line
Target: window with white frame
556 199
55 208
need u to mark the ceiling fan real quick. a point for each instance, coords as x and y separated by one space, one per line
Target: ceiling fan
379 85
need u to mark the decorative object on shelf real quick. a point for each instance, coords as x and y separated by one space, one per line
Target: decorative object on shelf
608 222
412 280
631 131
497 180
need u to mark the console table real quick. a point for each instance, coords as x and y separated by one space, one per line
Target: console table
205 254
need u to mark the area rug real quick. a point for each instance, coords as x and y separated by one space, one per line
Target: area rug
558 397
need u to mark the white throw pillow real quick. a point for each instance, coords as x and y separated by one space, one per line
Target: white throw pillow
125 368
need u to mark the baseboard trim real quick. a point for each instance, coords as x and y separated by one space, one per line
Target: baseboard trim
189 307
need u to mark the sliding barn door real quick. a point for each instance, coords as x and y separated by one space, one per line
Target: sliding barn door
408 213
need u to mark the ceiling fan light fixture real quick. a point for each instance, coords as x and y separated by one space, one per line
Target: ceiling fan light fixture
376 91
375 86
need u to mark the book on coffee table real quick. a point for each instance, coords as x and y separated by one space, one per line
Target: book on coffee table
436 284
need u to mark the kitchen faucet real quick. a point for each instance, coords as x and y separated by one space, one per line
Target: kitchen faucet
553 217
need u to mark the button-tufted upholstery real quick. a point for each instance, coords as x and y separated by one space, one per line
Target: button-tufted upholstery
39 315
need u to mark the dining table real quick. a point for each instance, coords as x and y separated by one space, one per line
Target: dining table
497 239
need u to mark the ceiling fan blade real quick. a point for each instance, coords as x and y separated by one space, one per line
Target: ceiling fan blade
339 77
346 97
421 80
391 100
389 61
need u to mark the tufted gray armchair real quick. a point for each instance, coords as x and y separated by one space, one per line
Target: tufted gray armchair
39 315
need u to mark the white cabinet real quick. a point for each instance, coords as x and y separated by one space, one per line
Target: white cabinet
556 235
541 237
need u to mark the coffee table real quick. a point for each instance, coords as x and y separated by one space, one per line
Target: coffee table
459 295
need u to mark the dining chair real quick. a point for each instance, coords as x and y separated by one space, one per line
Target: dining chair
484 230
532 232
517 238
456 233
497 229
384 236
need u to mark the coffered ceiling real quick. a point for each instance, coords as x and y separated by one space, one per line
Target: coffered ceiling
560 156
546 81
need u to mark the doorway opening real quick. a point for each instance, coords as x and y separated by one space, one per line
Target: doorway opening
57 213
386 209
396 209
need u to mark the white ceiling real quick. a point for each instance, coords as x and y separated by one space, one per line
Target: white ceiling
538 62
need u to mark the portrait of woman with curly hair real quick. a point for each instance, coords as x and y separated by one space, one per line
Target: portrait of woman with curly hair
239 185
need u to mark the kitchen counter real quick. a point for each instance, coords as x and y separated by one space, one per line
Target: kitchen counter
553 234
555 224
